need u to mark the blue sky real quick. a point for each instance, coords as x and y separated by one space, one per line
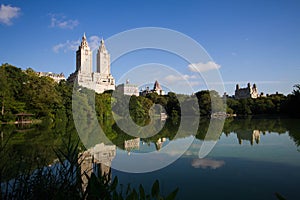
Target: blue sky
251 41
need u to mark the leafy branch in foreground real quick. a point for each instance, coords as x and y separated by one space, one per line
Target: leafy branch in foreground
279 196
102 188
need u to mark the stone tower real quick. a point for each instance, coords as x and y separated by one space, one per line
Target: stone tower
84 57
103 78
103 60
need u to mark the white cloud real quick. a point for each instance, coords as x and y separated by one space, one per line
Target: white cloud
172 78
194 83
93 41
7 13
241 83
202 67
182 80
67 46
61 21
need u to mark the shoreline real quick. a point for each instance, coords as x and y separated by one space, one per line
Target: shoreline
37 121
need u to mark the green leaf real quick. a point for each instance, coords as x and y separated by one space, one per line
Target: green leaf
128 190
135 194
279 196
132 195
114 183
115 195
142 192
94 187
155 189
172 195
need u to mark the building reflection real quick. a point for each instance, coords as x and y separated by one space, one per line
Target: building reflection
133 144
250 135
159 143
96 159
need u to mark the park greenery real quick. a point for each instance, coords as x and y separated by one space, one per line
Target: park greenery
23 91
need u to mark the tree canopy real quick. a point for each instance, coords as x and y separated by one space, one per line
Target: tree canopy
25 91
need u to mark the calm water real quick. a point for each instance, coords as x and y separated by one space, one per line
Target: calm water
246 163
252 158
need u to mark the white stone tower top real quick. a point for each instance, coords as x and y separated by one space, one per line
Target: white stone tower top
84 44
102 47
103 60
84 57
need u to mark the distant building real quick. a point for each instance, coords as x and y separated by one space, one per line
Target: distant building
56 77
99 81
128 89
248 92
156 89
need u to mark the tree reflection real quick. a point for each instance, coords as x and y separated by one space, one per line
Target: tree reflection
39 140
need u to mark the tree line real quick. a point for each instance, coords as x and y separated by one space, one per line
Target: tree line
270 105
24 91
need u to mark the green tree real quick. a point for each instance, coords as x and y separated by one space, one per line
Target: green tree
206 98
296 91
244 107
41 96
4 89
173 106
10 78
294 103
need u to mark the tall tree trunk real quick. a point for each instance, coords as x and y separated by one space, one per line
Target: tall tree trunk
2 110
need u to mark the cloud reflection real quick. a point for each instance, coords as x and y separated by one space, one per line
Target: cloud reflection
207 163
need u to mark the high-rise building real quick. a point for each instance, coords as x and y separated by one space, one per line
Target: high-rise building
99 81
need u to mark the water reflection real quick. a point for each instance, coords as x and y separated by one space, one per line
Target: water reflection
207 163
133 144
250 153
159 143
40 140
96 159
252 136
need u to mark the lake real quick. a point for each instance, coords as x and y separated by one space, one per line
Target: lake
252 158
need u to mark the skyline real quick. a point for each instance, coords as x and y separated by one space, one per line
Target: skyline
249 41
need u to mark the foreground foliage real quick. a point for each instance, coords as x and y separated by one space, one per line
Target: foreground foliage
64 180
